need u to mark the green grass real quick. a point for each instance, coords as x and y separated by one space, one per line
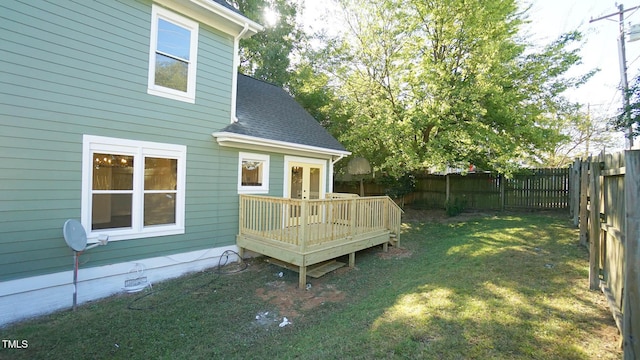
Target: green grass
493 287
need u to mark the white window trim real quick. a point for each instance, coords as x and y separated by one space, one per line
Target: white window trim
138 149
264 188
158 12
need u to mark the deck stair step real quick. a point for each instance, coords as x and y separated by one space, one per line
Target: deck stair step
315 270
393 239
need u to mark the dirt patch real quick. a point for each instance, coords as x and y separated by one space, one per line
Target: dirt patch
395 253
289 299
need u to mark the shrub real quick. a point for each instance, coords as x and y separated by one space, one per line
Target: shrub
456 206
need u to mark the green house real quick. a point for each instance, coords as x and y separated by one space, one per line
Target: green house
130 117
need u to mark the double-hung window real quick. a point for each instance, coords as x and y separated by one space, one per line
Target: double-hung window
253 173
172 55
132 189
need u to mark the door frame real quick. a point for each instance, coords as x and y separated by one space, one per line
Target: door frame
286 191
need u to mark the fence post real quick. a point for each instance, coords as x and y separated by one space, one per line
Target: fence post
574 193
631 297
584 189
594 225
447 196
502 192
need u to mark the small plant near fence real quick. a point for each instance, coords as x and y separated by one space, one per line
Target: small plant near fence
455 206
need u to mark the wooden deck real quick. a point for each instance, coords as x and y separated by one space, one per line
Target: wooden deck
308 232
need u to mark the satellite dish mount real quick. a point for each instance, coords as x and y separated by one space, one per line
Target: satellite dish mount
76 238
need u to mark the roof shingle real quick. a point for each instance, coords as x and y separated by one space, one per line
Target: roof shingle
267 111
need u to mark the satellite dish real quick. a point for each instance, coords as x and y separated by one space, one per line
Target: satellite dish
74 235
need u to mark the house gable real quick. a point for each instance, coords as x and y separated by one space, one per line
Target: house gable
268 117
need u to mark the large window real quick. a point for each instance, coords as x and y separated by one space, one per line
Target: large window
253 173
172 55
132 189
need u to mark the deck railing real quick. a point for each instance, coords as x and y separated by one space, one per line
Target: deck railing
309 223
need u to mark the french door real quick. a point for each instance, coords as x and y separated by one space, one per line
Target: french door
306 179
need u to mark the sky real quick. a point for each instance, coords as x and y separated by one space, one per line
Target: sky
551 18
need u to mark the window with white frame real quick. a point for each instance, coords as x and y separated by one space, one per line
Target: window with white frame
132 189
172 55
253 173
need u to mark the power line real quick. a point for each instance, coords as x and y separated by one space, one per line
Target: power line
623 61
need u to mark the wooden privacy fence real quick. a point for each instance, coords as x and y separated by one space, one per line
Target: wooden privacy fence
537 189
605 206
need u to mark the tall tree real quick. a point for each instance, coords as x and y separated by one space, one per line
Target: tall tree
583 133
267 55
442 82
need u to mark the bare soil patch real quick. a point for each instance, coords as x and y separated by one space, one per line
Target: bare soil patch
288 299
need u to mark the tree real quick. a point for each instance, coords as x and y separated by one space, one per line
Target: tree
267 55
583 133
629 117
446 82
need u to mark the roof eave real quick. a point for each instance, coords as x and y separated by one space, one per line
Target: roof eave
215 15
230 139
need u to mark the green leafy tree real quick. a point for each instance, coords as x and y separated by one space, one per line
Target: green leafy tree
446 82
629 117
267 55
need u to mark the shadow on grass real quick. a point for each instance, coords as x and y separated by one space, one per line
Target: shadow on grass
500 287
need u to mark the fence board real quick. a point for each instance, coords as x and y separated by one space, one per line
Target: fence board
631 316
539 189
594 225
613 232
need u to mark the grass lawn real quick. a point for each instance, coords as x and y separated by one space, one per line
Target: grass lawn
505 286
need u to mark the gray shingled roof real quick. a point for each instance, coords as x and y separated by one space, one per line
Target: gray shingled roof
267 111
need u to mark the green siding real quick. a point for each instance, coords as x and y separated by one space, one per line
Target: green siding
73 68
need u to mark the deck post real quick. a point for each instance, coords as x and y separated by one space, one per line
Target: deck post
302 242
352 259
352 215
304 219
302 278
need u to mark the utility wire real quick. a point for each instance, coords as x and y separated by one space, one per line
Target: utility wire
172 299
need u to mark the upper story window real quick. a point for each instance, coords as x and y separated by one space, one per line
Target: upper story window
172 55
253 173
132 189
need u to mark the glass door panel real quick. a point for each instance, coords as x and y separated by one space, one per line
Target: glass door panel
305 183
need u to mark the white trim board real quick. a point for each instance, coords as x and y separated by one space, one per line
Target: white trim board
39 295
247 142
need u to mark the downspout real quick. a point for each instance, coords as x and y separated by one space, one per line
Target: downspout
338 159
236 64
333 162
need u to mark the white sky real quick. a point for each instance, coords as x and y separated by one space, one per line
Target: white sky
553 17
